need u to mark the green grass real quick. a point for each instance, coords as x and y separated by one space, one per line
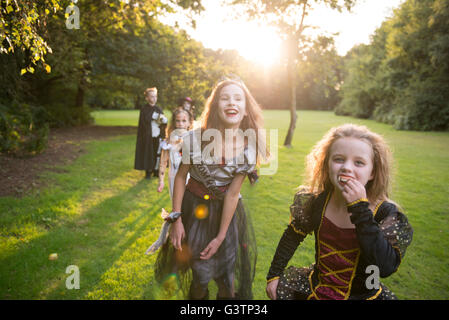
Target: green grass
116 118
99 214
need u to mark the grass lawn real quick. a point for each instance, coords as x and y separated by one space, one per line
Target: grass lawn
100 215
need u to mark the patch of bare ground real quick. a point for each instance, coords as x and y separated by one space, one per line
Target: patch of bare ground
20 175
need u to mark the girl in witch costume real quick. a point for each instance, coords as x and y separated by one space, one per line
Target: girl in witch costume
171 154
359 233
151 130
211 235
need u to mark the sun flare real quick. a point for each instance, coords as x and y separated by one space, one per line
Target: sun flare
255 42
258 44
217 29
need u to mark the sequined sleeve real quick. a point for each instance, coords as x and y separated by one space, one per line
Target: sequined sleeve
300 215
396 229
294 234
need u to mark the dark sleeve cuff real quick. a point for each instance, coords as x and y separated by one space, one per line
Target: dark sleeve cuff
360 211
284 251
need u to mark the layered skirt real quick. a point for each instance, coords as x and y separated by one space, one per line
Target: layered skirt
232 266
294 284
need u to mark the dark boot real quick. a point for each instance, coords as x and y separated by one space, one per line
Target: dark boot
227 298
205 297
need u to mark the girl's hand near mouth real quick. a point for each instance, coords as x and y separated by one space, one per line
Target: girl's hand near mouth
353 190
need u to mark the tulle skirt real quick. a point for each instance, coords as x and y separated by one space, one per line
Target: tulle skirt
233 265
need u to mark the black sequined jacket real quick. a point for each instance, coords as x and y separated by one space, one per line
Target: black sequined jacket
383 237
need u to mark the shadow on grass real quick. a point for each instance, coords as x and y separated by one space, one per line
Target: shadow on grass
93 246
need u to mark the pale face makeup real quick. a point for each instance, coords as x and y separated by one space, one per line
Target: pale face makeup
151 98
350 158
182 121
231 106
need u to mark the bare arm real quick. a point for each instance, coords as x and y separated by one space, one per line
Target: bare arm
229 205
162 168
179 186
177 231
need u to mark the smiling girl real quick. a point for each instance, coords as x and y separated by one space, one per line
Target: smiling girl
211 233
171 154
357 228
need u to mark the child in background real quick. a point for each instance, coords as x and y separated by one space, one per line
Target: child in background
187 104
211 233
358 231
150 131
171 155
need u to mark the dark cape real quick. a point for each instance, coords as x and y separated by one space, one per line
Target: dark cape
146 145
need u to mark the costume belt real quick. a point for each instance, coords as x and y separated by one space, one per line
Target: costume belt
201 191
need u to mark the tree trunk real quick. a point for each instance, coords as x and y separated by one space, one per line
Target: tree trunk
291 65
293 116
79 100
292 69
82 82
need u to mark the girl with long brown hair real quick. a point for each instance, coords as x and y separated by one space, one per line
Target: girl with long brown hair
211 236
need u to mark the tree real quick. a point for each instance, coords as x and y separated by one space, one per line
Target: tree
23 24
41 89
401 77
417 54
100 17
23 28
28 27
284 16
319 75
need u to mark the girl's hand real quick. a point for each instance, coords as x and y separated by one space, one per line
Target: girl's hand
353 190
161 186
271 289
177 234
211 249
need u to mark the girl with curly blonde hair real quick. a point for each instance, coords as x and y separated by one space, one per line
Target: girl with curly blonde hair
360 235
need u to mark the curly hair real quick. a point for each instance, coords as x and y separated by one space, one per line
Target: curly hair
317 169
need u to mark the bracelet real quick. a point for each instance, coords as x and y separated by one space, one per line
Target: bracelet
357 201
272 279
173 216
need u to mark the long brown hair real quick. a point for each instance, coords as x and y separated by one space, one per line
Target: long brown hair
253 120
317 168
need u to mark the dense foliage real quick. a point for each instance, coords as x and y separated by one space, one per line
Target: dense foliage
402 76
59 70
53 75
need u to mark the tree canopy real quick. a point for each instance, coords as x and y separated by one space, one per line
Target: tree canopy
53 73
402 76
289 18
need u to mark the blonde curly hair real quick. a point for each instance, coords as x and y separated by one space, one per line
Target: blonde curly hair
317 168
